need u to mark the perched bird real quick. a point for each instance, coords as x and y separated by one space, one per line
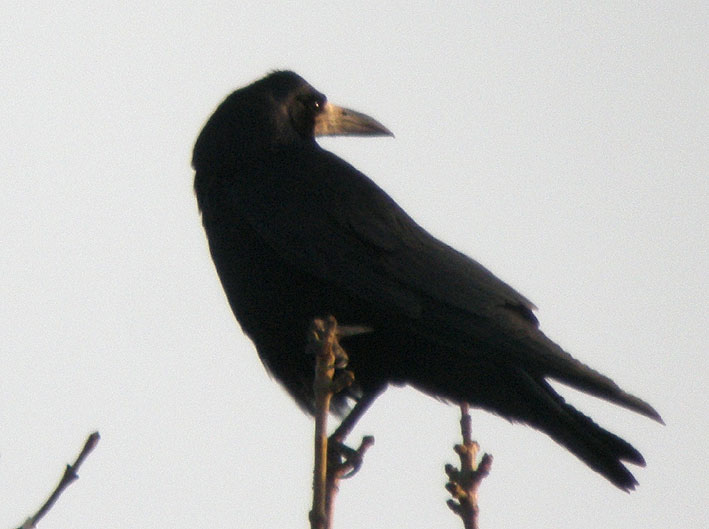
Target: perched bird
296 232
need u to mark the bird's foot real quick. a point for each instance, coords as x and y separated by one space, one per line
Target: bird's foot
344 461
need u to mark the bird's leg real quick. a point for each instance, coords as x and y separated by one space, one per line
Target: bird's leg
342 459
355 414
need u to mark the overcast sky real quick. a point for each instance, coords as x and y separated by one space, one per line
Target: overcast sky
563 147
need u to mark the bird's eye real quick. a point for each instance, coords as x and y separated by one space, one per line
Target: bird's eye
314 104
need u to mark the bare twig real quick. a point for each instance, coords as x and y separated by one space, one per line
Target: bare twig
329 468
463 484
70 475
321 339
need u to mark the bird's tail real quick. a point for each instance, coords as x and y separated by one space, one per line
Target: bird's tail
519 397
555 363
600 449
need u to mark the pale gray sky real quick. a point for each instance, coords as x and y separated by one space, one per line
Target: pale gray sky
563 147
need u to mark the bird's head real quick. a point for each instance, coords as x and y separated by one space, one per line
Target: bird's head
280 110
300 108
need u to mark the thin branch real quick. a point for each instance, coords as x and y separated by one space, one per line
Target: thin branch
321 339
70 475
333 460
463 484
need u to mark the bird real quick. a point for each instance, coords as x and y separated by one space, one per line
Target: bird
296 232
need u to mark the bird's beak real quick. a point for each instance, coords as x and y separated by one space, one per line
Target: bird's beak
338 121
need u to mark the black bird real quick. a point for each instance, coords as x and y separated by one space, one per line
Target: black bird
296 232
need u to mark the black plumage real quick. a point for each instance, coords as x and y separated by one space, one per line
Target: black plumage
296 232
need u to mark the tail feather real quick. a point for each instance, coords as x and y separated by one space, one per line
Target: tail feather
521 397
600 449
561 366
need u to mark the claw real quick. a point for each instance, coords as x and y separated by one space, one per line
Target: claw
344 460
